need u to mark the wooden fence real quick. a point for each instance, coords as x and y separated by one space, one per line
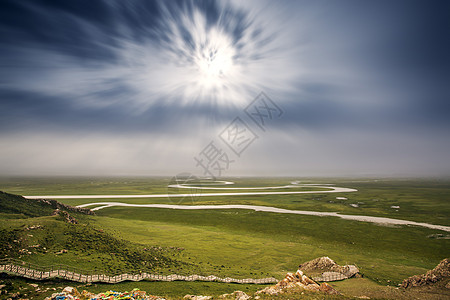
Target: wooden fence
36 272
330 276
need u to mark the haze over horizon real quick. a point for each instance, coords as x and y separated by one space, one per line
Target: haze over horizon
350 88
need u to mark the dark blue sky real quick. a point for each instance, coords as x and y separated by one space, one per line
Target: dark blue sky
141 87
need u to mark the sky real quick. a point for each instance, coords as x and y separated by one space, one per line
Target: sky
225 88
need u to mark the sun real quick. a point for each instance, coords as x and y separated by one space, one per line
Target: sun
213 60
222 63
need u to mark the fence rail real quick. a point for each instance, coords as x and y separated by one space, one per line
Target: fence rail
36 272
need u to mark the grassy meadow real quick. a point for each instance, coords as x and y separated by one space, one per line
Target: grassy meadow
241 243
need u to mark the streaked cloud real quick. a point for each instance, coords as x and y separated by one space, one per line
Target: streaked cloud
167 76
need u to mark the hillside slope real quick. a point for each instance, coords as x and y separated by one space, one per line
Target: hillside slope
20 206
47 232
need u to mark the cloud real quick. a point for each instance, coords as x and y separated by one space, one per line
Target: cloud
108 74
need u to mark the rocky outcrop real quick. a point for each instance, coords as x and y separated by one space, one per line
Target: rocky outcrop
236 295
329 270
58 205
297 281
194 297
65 215
440 274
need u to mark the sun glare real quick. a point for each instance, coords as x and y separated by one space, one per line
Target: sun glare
200 62
214 60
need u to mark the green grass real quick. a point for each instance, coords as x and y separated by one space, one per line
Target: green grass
245 241
18 207
358 287
87 248
423 200
239 243
39 237
83 185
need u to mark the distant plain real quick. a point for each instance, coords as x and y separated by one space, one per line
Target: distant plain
245 243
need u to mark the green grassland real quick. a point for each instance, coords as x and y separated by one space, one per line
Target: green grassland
256 243
235 243
41 237
422 200
83 185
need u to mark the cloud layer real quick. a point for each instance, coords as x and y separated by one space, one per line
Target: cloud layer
141 87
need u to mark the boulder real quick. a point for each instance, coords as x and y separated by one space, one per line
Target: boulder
350 270
237 295
194 297
441 273
293 282
312 287
330 270
307 281
270 290
322 263
328 289
71 290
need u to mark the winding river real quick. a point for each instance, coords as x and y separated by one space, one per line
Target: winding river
378 220
330 189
